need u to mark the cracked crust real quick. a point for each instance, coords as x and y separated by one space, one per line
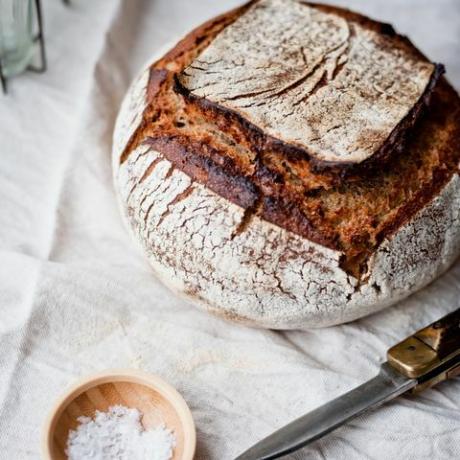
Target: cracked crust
266 276
228 258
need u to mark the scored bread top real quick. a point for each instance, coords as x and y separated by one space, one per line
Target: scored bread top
339 89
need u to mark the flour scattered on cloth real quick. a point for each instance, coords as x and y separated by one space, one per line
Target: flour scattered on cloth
119 435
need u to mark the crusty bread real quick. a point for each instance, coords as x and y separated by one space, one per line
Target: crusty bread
261 229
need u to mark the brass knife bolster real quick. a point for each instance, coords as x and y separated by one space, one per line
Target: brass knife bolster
432 354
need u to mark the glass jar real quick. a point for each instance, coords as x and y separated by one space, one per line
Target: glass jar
16 35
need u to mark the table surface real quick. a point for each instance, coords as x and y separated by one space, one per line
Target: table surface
77 296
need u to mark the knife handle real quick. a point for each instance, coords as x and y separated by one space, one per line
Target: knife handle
431 354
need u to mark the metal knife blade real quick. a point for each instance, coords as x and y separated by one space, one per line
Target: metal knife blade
388 384
422 360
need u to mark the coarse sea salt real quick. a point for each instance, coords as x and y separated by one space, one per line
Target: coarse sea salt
119 435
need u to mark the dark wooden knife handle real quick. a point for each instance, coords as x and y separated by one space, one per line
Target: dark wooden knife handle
443 336
431 354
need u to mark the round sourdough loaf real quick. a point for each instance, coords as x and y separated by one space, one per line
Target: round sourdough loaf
238 261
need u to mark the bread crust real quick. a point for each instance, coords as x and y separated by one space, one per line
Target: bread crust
267 276
239 265
394 144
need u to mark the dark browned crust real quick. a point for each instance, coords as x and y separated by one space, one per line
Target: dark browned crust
441 175
157 78
222 176
218 173
262 191
340 170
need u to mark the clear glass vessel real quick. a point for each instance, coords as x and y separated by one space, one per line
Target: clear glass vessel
16 35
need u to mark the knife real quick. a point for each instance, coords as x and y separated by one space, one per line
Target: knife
424 359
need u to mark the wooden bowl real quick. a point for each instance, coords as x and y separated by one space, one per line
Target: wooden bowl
158 401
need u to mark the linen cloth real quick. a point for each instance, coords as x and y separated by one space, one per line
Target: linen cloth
77 295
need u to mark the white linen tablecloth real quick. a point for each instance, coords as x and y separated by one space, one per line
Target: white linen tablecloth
77 296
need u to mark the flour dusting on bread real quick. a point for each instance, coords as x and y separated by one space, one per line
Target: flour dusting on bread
255 228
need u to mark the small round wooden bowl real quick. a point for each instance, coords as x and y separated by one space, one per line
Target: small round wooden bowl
158 401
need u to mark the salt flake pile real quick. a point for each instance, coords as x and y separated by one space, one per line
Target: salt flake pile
118 435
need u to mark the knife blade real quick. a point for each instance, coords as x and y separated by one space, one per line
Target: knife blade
422 360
